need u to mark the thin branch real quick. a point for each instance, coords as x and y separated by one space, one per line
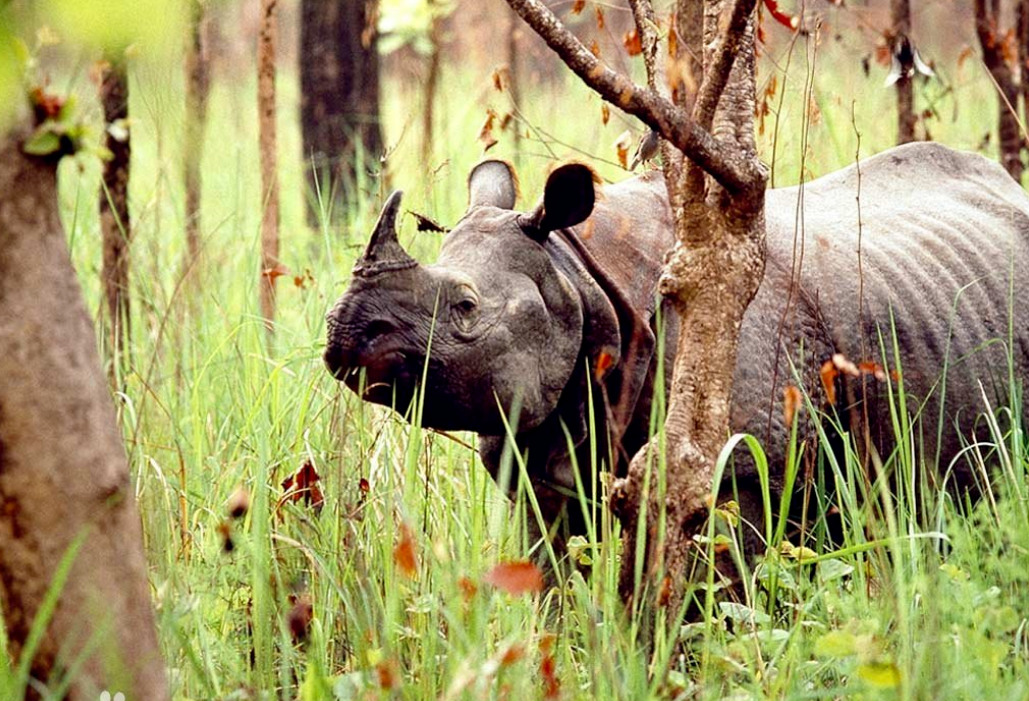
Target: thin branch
716 74
736 175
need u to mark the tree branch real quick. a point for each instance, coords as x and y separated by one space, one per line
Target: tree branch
735 174
716 74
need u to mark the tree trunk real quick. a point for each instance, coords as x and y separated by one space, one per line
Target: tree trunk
431 81
115 225
64 479
198 84
1023 59
711 277
514 87
991 38
901 14
266 41
339 99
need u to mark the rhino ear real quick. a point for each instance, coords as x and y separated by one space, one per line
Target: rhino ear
492 183
568 200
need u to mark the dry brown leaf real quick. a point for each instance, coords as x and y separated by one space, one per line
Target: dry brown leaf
828 374
404 554
300 616
633 44
518 577
303 485
844 365
792 401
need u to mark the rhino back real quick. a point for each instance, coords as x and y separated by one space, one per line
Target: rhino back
944 248
629 232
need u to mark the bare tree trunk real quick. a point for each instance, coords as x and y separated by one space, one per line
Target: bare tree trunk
1023 59
198 84
901 13
712 275
339 97
514 88
65 493
115 225
266 41
431 81
991 38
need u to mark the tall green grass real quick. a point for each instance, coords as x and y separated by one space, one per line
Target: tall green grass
922 596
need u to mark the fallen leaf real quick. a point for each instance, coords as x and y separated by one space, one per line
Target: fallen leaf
605 361
424 223
300 616
486 131
239 503
622 145
468 588
790 22
874 369
225 531
501 78
303 485
792 400
844 365
664 594
387 674
273 274
511 654
633 44
829 373
515 578
548 668
404 553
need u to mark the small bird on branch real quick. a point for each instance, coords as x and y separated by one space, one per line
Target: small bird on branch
647 149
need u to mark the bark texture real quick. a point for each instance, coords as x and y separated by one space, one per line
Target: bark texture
339 103
431 83
198 85
266 42
115 225
63 471
991 39
900 11
711 276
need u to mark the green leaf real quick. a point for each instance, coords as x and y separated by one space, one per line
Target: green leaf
43 142
829 570
739 613
882 675
836 643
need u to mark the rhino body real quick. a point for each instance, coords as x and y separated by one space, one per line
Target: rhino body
536 312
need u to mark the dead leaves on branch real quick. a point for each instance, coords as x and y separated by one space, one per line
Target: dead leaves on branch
302 486
515 578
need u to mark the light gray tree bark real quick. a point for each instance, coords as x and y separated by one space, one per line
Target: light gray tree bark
64 478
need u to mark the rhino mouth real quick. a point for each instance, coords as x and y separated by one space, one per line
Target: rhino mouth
385 378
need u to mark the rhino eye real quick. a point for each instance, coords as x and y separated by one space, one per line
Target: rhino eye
466 305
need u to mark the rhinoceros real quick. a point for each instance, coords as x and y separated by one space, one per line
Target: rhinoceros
528 316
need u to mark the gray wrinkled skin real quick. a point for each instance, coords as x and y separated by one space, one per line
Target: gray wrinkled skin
523 318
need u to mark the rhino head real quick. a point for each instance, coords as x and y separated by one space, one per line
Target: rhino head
501 321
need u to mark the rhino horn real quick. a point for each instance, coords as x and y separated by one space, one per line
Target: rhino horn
492 183
384 252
